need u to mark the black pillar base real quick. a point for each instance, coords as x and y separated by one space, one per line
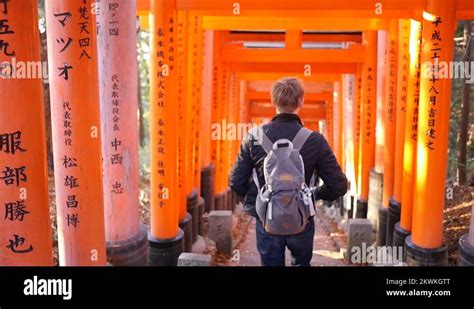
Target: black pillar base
187 226
192 207
207 187
392 218
201 216
219 201
362 206
340 202
382 229
350 211
466 252
399 236
417 256
130 252
234 200
165 252
225 198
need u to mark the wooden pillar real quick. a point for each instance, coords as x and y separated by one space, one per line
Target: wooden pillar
119 105
166 239
184 168
348 111
26 228
75 113
368 114
433 131
216 120
224 120
357 125
330 123
389 119
195 54
207 112
337 120
411 126
380 99
400 231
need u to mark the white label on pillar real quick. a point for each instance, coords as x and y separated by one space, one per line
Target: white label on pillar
236 8
94 8
94 132
94 255
378 8
165 70
23 194
307 70
165 193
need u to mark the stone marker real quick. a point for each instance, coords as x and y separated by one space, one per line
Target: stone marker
220 230
359 231
194 259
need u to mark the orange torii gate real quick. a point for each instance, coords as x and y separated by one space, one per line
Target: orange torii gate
25 231
220 15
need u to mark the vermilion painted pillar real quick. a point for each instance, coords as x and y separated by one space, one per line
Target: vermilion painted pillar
400 232
425 245
165 236
368 114
376 212
330 123
390 116
119 105
411 126
25 229
184 164
75 113
382 37
208 109
194 75
357 125
349 136
222 167
338 123
216 120
233 115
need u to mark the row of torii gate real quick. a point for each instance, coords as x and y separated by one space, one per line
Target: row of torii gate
385 120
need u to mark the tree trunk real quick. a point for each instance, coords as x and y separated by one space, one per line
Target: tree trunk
464 127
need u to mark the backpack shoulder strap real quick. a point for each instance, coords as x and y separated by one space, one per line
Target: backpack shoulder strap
300 138
261 138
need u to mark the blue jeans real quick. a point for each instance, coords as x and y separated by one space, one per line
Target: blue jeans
272 247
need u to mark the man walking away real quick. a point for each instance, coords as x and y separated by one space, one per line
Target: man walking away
272 174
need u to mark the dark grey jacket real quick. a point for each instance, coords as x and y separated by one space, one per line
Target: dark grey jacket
318 158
